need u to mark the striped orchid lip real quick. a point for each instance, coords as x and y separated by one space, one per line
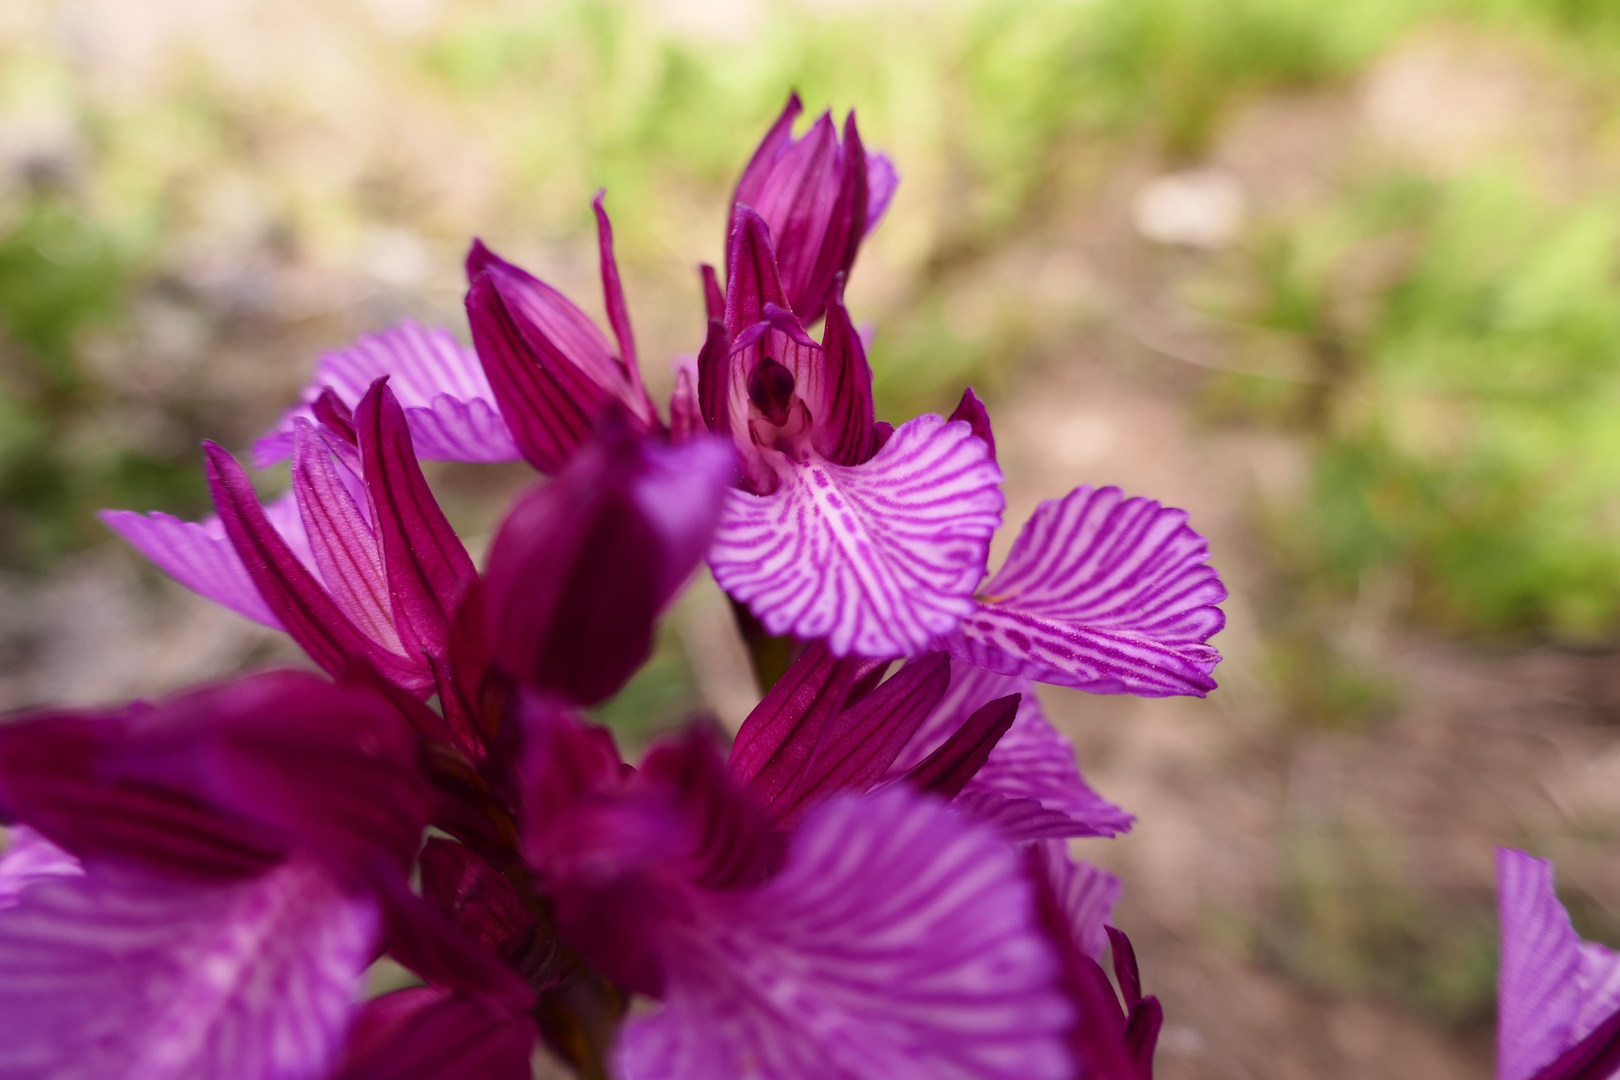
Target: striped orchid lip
1558 998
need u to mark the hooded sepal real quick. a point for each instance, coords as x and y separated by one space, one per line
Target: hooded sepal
550 368
300 603
816 195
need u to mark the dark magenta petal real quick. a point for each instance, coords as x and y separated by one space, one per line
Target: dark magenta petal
425 940
777 741
426 1034
971 409
481 902
714 379
959 758
813 194
582 565
618 311
428 569
1033 761
1142 1035
224 779
57 775
122 973
840 400
780 136
291 592
858 745
729 839
1126 973
714 298
752 280
548 417
334 415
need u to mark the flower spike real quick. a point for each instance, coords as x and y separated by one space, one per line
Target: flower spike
819 197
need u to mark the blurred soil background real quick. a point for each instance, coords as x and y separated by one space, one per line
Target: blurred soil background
1343 280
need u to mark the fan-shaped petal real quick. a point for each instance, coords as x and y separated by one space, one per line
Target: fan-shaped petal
120 974
877 558
1102 593
898 940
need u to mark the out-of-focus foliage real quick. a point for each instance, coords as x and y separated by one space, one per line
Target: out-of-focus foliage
1459 398
1461 378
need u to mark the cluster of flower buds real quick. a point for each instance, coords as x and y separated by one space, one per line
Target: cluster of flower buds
873 881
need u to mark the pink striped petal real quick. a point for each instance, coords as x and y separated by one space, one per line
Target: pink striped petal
196 554
1552 990
898 941
440 385
1016 819
882 180
1033 761
121 974
1101 593
877 558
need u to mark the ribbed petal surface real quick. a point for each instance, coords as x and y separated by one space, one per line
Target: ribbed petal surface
1033 760
440 385
1086 894
877 558
898 941
117 974
1551 989
1101 593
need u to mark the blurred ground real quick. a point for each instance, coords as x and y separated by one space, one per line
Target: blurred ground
1309 882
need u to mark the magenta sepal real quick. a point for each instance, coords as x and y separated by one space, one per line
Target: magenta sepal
224 781
819 197
550 368
427 1034
428 570
581 566
304 608
971 409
